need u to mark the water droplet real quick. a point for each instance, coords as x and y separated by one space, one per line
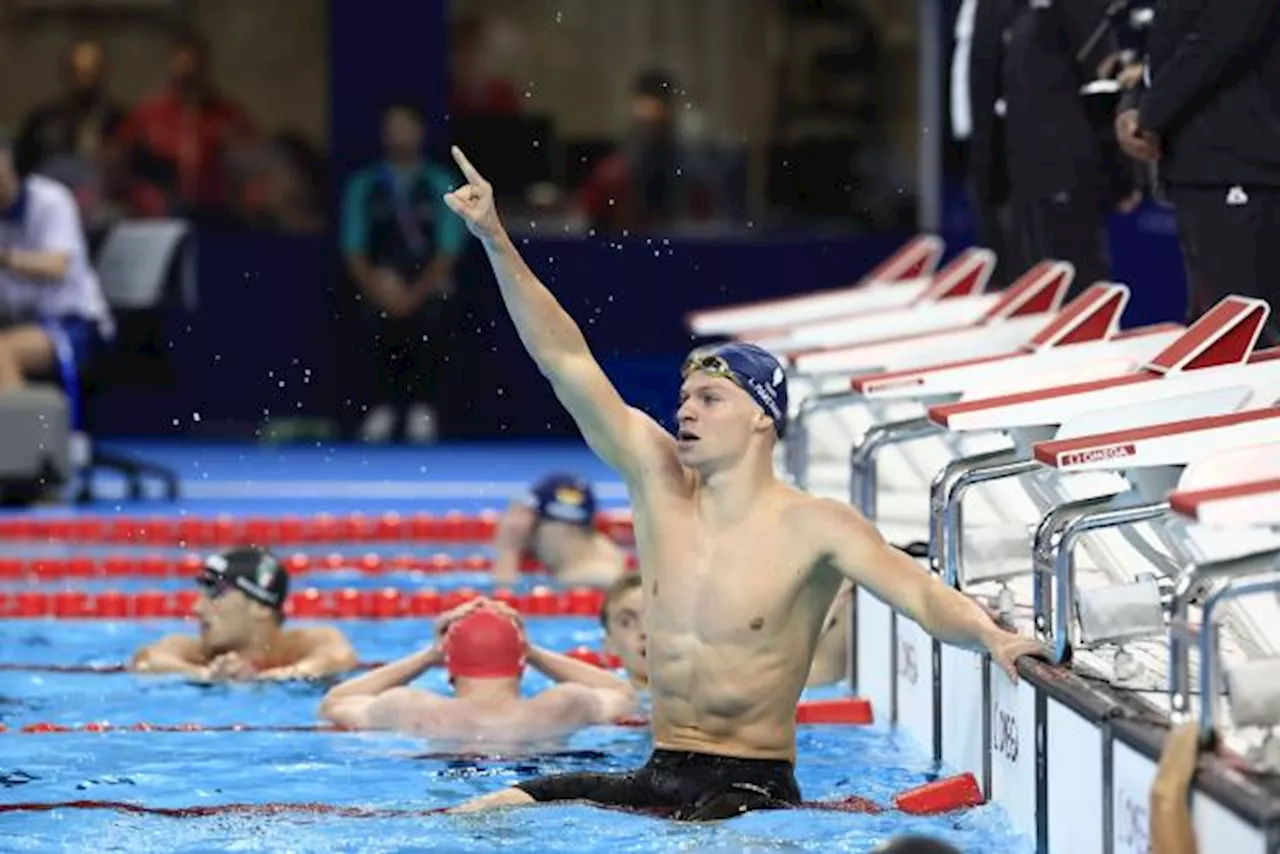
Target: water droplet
195 416
559 17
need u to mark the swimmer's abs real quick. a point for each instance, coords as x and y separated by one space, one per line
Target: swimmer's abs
759 740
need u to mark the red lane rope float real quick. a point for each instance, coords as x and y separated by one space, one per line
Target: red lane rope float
188 565
582 653
309 603
226 530
857 712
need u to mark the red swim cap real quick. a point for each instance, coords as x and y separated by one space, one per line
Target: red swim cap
484 645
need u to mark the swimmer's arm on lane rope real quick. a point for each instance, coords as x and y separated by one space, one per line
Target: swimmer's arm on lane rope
613 697
620 434
354 703
859 552
171 654
329 653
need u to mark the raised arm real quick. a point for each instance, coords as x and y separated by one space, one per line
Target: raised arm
625 438
857 551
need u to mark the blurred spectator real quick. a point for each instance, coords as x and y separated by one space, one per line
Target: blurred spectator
655 180
1171 830
287 190
1065 173
50 300
475 85
179 147
977 122
66 138
401 244
1209 119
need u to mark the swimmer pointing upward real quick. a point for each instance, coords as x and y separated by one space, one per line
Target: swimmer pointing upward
739 569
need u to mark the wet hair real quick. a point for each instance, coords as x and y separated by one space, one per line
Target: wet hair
625 584
916 845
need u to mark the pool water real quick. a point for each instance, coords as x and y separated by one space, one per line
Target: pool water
293 781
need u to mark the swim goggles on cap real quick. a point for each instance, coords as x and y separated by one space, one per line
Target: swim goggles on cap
711 365
214 583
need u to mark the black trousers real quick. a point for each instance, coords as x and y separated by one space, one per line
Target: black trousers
405 357
1070 227
994 229
1230 240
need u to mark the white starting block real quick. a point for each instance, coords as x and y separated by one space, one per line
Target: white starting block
957 297
898 281
1150 458
1232 489
1209 370
819 380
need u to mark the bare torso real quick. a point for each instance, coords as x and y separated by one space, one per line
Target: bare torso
733 615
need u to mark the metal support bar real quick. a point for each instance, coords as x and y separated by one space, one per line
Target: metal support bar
952 521
797 449
1188 589
1043 546
940 489
1064 567
1210 666
864 483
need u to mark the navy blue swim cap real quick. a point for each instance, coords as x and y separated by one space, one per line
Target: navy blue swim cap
563 497
754 369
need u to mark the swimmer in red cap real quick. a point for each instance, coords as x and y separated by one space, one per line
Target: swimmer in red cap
555 524
483 647
739 568
242 636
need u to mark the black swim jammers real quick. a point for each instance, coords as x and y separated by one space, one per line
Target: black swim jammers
687 786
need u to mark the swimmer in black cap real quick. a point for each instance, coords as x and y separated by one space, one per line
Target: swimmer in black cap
241 612
739 568
555 523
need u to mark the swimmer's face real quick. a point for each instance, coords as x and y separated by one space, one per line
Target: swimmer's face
226 620
402 134
625 636
716 420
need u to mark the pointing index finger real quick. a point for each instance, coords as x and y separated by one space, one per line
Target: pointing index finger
472 176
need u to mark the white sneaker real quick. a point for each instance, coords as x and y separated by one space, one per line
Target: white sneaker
420 424
378 425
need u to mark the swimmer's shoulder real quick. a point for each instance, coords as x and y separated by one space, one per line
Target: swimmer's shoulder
818 521
305 639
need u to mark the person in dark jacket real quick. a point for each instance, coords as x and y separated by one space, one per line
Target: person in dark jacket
1065 170
1208 118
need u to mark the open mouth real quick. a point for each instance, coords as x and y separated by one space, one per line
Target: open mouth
686 436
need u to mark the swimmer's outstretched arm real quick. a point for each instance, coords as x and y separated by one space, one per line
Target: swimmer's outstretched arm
860 553
619 434
372 698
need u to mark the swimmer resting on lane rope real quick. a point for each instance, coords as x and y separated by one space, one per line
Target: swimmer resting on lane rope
739 568
484 649
241 612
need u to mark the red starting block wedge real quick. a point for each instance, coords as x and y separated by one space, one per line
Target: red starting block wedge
846 710
945 795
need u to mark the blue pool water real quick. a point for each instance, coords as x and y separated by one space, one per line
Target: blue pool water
300 778
373 771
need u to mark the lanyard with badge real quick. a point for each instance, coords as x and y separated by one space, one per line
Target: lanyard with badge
406 218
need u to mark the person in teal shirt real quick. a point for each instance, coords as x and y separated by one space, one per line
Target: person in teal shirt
401 245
